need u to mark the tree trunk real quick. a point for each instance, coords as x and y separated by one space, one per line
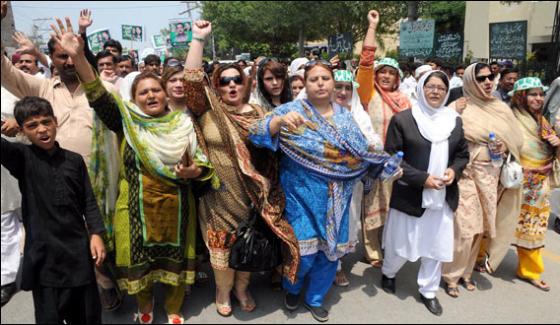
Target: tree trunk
301 41
412 10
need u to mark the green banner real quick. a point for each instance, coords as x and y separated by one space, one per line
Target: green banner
181 33
97 39
132 33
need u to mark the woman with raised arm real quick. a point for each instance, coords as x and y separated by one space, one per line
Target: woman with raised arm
155 221
323 155
379 92
248 176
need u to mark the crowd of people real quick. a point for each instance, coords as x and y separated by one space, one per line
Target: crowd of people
125 174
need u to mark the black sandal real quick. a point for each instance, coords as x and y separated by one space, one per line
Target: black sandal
452 291
469 284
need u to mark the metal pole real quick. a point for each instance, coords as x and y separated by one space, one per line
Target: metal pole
213 48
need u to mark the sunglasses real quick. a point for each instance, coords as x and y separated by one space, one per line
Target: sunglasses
173 64
313 63
224 81
483 78
266 60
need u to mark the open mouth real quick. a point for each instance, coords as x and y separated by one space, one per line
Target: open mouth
45 138
152 104
233 93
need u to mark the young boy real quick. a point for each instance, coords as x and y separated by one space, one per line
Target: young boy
61 220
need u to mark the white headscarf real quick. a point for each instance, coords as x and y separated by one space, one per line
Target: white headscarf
126 85
435 124
294 66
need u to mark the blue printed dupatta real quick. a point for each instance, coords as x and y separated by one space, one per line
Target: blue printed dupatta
335 150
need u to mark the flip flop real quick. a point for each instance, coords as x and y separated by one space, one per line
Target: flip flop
539 284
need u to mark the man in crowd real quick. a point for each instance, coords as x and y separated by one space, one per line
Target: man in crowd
152 63
508 77
114 47
107 67
124 65
457 80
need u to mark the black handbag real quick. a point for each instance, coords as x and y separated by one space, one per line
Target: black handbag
256 247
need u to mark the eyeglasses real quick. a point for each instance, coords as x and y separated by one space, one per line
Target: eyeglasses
224 81
483 78
433 89
313 63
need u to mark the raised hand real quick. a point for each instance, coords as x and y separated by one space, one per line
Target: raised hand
335 61
64 36
202 28
373 18
85 20
4 8
25 44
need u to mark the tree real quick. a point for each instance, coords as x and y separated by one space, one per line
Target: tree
274 28
240 25
449 15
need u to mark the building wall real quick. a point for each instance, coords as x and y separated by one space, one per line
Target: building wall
479 14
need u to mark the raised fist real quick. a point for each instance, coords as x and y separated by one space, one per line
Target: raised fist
202 28
373 18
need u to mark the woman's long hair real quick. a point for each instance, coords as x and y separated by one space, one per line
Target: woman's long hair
279 71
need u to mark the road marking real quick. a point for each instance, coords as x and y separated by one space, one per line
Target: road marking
551 256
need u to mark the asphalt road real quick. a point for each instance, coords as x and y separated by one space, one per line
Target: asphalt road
499 299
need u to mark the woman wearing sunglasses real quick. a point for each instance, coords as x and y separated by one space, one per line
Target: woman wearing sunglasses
247 175
485 208
379 92
323 155
155 219
540 150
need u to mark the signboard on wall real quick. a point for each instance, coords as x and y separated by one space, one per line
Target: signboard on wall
417 38
508 40
449 46
340 43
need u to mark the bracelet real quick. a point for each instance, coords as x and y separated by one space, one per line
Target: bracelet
201 40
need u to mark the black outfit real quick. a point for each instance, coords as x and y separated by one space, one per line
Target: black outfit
90 57
59 215
403 135
454 94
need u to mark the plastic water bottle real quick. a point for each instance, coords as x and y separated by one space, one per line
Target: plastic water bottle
495 156
391 166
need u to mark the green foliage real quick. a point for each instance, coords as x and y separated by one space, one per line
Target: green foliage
273 28
244 26
449 15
